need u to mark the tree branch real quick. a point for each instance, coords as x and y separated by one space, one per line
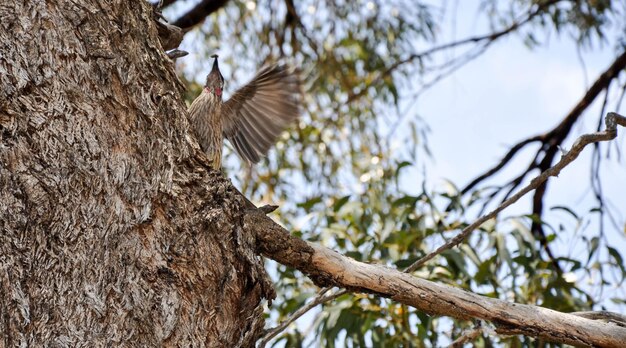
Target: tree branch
328 268
489 38
197 14
504 161
467 336
550 147
538 182
319 299
556 136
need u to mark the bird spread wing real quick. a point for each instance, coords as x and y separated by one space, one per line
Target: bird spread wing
258 112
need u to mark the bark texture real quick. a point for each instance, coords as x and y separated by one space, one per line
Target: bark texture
113 229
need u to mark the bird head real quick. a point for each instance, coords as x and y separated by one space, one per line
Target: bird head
215 80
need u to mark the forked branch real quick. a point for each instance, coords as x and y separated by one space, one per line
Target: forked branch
612 120
328 268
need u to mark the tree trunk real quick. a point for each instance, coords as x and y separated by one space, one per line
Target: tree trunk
113 229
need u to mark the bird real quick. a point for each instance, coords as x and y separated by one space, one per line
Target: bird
253 117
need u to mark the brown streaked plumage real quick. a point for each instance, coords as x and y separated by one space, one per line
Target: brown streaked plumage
252 119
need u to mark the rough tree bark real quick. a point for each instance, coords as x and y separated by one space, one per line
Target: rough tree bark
113 229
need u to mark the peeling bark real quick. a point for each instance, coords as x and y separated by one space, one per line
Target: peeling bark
113 228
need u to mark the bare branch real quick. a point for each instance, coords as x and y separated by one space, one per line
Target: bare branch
504 161
467 336
489 38
584 140
170 36
197 14
611 120
319 299
549 149
328 268
556 136
438 299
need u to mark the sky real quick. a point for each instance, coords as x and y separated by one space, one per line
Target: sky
509 94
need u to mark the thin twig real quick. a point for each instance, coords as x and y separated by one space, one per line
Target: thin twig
549 149
491 37
596 159
319 298
555 136
467 336
453 65
611 120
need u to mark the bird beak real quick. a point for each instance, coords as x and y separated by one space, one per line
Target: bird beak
215 66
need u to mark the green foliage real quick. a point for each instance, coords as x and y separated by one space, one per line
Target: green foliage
586 21
338 175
